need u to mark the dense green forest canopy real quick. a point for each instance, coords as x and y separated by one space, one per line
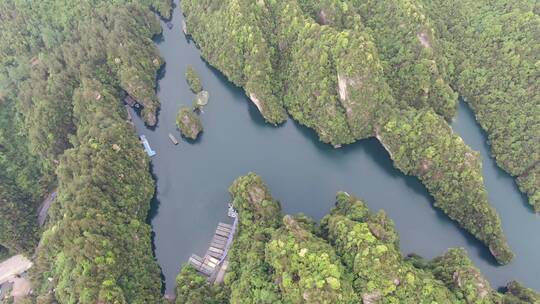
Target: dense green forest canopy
413 61
188 122
494 55
337 68
23 180
487 51
65 69
352 256
348 69
193 80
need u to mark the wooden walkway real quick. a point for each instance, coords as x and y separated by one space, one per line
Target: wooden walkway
215 252
214 263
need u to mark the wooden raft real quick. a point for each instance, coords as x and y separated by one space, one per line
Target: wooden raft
215 253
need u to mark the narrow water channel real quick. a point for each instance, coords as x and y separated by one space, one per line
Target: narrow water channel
192 178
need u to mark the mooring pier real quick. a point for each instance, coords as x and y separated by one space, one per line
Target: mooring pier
214 263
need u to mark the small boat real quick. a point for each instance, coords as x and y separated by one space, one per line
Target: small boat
169 25
147 147
132 102
173 139
231 212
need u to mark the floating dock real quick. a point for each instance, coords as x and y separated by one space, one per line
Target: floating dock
214 263
173 139
147 147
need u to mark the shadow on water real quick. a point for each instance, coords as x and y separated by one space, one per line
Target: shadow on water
162 71
374 149
138 113
188 40
524 199
255 115
502 188
158 38
312 137
485 148
195 141
154 208
152 213
154 203
240 97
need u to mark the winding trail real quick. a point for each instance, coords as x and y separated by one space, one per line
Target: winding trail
44 208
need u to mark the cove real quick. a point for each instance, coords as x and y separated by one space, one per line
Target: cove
192 178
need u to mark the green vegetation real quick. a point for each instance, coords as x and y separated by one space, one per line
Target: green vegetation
283 55
368 245
342 71
456 270
413 62
347 69
193 80
65 67
98 247
249 63
18 220
353 256
188 122
518 293
4 253
306 266
422 144
193 288
23 180
494 53
248 278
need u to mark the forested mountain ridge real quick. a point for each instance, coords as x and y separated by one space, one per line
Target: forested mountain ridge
65 68
351 257
332 76
334 66
413 61
494 52
20 185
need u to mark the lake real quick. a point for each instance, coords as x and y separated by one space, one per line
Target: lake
304 175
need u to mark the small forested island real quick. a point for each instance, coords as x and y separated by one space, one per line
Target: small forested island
352 256
193 80
188 123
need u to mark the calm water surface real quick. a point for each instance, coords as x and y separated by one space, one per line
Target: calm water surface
192 178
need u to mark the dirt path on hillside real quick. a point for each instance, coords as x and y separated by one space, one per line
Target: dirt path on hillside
12 267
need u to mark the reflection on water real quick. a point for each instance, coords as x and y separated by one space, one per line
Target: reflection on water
304 174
